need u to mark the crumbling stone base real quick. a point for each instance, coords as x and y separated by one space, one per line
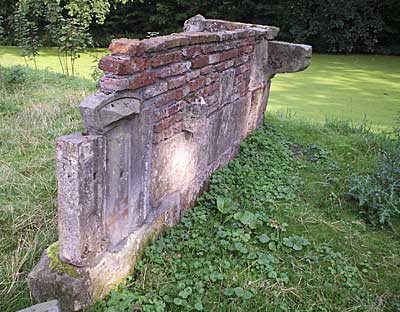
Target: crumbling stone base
77 288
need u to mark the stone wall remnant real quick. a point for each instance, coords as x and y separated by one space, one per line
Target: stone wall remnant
169 112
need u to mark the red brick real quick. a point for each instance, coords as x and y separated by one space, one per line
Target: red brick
114 84
180 93
212 99
214 58
201 37
246 75
206 70
211 48
200 61
184 90
167 122
247 41
193 51
176 82
126 46
115 65
169 110
174 108
211 78
165 98
215 86
224 65
242 88
243 68
206 91
168 133
165 58
156 89
153 44
141 80
247 49
176 40
173 69
197 84
239 78
138 64
192 74
242 59
228 55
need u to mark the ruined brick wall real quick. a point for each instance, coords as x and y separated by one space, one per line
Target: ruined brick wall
196 95
169 112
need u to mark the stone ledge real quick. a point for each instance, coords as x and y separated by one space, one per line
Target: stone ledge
50 306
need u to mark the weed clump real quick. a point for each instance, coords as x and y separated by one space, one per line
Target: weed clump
12 77
378 194
238 250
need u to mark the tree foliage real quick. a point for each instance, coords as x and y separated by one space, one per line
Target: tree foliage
336 25
330 26
65 25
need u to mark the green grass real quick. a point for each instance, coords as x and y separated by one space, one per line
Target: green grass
33 113
275 232
48 60
291 174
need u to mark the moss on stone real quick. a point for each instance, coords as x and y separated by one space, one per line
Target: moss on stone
57 264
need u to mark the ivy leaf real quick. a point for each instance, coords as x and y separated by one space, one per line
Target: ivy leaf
241 248
228 292
224 205
198 306
272 246
239 292
287 242
247 294
297 247
264 238
178 301
272 274
185 293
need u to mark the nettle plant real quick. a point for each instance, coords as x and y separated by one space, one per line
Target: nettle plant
378 193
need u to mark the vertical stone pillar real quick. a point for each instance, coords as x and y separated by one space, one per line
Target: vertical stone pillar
80 196
126 129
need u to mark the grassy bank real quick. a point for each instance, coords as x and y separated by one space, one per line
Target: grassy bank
277 231
35 109
352 87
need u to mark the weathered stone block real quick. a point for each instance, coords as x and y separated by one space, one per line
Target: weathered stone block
286 57
50 306
80 172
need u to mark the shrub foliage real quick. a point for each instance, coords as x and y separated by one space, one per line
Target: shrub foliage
330 26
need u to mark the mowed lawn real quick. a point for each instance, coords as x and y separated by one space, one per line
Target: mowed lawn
355 87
